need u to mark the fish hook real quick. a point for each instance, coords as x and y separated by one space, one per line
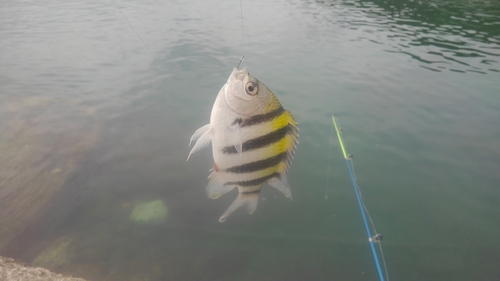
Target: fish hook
242 57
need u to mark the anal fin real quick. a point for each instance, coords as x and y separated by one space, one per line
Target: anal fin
216 187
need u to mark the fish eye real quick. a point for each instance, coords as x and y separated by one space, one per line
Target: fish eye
251 88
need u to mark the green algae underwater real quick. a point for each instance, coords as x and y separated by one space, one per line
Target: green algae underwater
92 125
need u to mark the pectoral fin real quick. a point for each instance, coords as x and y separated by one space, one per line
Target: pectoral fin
234 135
202 136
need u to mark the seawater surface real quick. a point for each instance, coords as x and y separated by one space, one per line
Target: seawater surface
98 100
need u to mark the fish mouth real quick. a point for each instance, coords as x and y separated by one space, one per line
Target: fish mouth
238 77
232 89
239 74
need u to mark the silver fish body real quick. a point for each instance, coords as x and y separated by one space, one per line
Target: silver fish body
253 141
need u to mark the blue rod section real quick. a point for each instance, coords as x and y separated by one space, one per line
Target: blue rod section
375 257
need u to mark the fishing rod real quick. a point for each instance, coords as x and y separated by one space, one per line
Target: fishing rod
371 239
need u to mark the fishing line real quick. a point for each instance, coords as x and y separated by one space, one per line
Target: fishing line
328 165
242 35
241 16
364 211
132 27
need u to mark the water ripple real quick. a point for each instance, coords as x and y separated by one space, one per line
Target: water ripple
460 36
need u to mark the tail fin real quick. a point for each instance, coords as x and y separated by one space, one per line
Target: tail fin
248 200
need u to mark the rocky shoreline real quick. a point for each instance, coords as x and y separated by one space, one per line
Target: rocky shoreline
11 270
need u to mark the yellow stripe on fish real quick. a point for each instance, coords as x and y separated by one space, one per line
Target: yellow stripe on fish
269 154
281 132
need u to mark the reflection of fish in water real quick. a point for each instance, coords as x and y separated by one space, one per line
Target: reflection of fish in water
253 141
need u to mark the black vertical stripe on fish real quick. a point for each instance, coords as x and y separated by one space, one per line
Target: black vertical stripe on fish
257 119
258 165
261 141
257 191
254 182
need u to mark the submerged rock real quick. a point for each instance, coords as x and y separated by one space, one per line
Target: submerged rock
153 212
10 270
42 140
56 254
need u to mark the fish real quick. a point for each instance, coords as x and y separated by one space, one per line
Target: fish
253 142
